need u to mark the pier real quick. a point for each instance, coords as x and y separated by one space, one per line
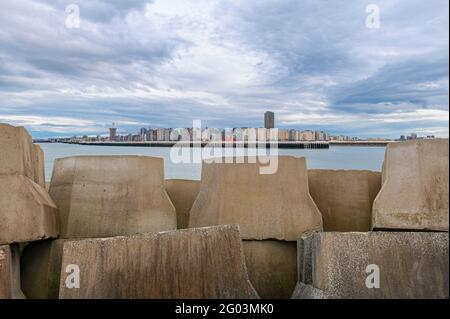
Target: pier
362 143
243 144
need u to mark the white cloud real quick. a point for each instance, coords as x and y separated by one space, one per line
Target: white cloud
164 62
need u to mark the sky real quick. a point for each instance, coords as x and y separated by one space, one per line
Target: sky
342 66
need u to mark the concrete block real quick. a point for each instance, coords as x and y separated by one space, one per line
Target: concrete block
27 213
41 269
16 151
414 193
271 206
344 197
191 263
103 196
272 267
183 194
410 265
10 272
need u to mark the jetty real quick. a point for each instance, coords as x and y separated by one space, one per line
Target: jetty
243 144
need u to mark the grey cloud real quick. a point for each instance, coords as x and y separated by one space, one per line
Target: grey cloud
163 63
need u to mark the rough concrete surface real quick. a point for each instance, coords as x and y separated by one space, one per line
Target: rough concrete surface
10 272
411 264
266 206
183 194
344 197
16 151
192 263
414 194
41 269
103 196
27 212
272 267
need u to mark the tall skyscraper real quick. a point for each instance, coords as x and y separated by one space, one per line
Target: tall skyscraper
269 120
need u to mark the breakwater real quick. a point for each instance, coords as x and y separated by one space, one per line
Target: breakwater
112 228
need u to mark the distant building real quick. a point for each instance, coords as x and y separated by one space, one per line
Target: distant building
150 135
143 134
112 133
294 135
163 134
269 120
283 135
320 136
308 135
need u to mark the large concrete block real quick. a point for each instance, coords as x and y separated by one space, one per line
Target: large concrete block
272 267
266 206
10 272
191 263
27 212
103 196
16 151
183 194
41 269
339 265
344 197
414 194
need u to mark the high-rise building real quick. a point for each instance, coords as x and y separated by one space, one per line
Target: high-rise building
320 136
143 134
112 133
283 135
163 134
308 135
269 120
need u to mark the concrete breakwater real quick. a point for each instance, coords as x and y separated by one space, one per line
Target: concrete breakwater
112 228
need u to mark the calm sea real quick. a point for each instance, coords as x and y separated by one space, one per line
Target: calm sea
336 157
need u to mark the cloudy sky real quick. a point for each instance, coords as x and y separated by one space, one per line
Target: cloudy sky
163 63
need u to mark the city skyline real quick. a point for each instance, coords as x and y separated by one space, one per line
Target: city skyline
163 63
149 134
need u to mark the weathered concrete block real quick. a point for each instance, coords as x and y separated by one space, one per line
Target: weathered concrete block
103 196
191 263
27 212
16 151
272 267
414 194
10 272
272 206
344 197
183 194
39 165
41 269
411 265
